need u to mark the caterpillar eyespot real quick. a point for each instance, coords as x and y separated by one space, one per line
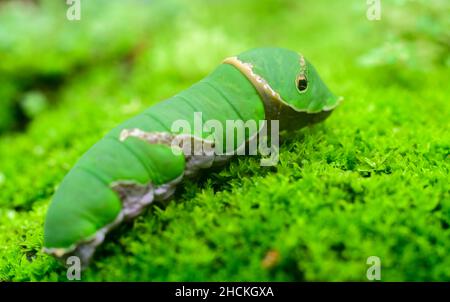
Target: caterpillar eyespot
145 158
302 83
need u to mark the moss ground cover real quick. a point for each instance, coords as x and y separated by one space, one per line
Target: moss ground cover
370 181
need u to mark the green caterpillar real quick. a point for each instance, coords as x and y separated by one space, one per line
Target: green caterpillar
135 164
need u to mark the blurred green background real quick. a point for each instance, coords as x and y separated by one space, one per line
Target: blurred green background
371 181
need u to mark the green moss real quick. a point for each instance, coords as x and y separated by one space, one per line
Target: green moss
371 180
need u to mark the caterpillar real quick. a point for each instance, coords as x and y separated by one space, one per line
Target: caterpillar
136 164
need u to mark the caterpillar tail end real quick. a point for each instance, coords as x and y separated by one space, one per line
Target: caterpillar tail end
135 198
84 250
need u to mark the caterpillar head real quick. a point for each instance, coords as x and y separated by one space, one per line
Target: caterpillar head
289 85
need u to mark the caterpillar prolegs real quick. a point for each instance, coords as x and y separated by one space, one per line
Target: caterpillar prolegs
146 157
